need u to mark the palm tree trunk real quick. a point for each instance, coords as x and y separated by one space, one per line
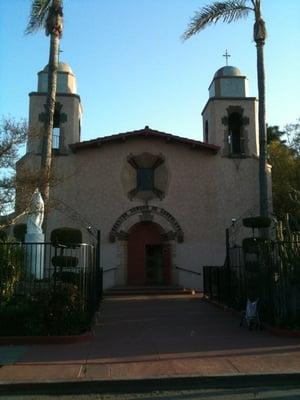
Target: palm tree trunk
46 155
260 35
263 181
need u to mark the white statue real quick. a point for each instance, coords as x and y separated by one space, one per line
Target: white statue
36 213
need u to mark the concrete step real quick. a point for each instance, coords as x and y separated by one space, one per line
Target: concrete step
147 290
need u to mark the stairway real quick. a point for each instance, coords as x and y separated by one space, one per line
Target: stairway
147 290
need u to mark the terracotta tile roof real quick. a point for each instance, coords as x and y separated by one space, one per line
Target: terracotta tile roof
145 132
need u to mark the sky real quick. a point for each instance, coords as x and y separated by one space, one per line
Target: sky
133 69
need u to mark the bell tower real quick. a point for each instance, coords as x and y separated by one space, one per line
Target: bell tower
67 116
230 116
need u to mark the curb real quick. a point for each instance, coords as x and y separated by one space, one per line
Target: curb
223 307
31 340
150 385
282 332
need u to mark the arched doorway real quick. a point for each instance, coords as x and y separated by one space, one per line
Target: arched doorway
149 261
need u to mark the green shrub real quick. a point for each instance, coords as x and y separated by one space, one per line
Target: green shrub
63 309
11 270
294 223
58 310
19 232
20 316
257 222
68 237
68 277
254 244
3 236
64 261
65 238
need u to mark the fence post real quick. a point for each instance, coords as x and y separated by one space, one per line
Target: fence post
99 282
228 271
219 279
204 280
210 283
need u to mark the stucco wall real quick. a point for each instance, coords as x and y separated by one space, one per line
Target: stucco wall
70 129
216 109
205 191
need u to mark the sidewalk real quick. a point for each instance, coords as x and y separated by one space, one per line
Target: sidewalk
148 337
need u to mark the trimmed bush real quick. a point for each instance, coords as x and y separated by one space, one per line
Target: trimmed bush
64 261
68 237
65 238
19 232
294 223
252 245
257 222
3 236
68 277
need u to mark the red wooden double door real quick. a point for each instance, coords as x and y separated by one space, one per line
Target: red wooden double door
149 259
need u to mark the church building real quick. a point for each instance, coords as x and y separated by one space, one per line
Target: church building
162 202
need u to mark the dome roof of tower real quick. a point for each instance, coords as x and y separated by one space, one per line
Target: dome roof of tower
62 67
227 71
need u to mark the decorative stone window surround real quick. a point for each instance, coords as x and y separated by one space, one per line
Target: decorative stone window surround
146 161
62 119
227 150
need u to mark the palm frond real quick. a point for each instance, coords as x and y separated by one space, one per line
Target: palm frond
38 15
226 11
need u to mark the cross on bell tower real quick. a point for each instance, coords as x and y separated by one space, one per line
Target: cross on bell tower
226 55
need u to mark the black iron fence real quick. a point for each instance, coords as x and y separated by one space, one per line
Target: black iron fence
28 268
269 272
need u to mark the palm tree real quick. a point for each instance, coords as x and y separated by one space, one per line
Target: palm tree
229 11
48 14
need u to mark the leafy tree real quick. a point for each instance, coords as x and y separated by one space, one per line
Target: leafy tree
284 157
274 133
48 14
12 136
17 183
230 11
292 132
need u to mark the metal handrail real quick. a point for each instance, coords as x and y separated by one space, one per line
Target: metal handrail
47 243
109 269
187 270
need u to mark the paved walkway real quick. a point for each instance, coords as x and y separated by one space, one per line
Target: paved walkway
148 337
